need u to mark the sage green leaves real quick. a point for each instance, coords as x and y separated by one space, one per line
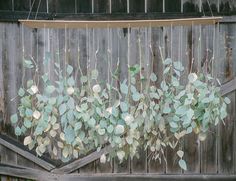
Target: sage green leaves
74 115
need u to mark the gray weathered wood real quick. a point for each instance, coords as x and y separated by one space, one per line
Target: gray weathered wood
228 87
28 173
26 154
81 162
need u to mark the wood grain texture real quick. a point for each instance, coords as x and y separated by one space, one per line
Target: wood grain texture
209 146
17 150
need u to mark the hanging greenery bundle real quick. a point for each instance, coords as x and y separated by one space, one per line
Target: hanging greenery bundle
76 115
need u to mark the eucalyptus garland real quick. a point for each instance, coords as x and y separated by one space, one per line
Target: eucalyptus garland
72 115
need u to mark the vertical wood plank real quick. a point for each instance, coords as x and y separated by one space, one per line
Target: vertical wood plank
2 105
157 48
84 6
119 6
210 6
227 6
122 44
6 5
104 67
172 5
209 146
88 169
101 6
154 6
191 143
65 6
190 6
138 165
171 157
136 6
226 132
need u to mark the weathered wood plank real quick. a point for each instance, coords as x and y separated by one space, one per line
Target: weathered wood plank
25 153
228 87
84 6
119 6
209 61
25 172
81 162
226 138
191 145
2 105
123 54
101 6
28 173
226 132
190 6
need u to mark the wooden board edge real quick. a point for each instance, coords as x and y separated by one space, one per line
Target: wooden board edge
27 155
82 161
119 23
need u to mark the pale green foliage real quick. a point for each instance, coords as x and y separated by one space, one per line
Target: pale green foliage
77 119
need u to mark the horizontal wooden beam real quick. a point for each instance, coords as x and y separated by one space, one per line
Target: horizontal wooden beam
119 23
29 173
25 172
26 154
228 87
83 161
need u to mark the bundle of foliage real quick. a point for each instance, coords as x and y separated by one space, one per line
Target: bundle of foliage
73 115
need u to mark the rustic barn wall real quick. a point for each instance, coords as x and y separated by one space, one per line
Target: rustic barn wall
194 46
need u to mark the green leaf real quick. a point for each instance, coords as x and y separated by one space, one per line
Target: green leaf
50 89
69 69
136 96
164 86
17 131
62 109
173 125
14 118
124 88
227 100
101 131
52 100
110 129
167 61
78 126
181 110
182 164
69 135
47 58
178 66
166 109
28 112
180 153
119 129
153 77
120 155
192 77
94 74
27 123
21 92
71 103
45 78
123 107
129 140
92 122
71 81
205 100
28 64
83 79
166 70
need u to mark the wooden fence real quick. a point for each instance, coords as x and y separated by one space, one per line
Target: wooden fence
195 46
